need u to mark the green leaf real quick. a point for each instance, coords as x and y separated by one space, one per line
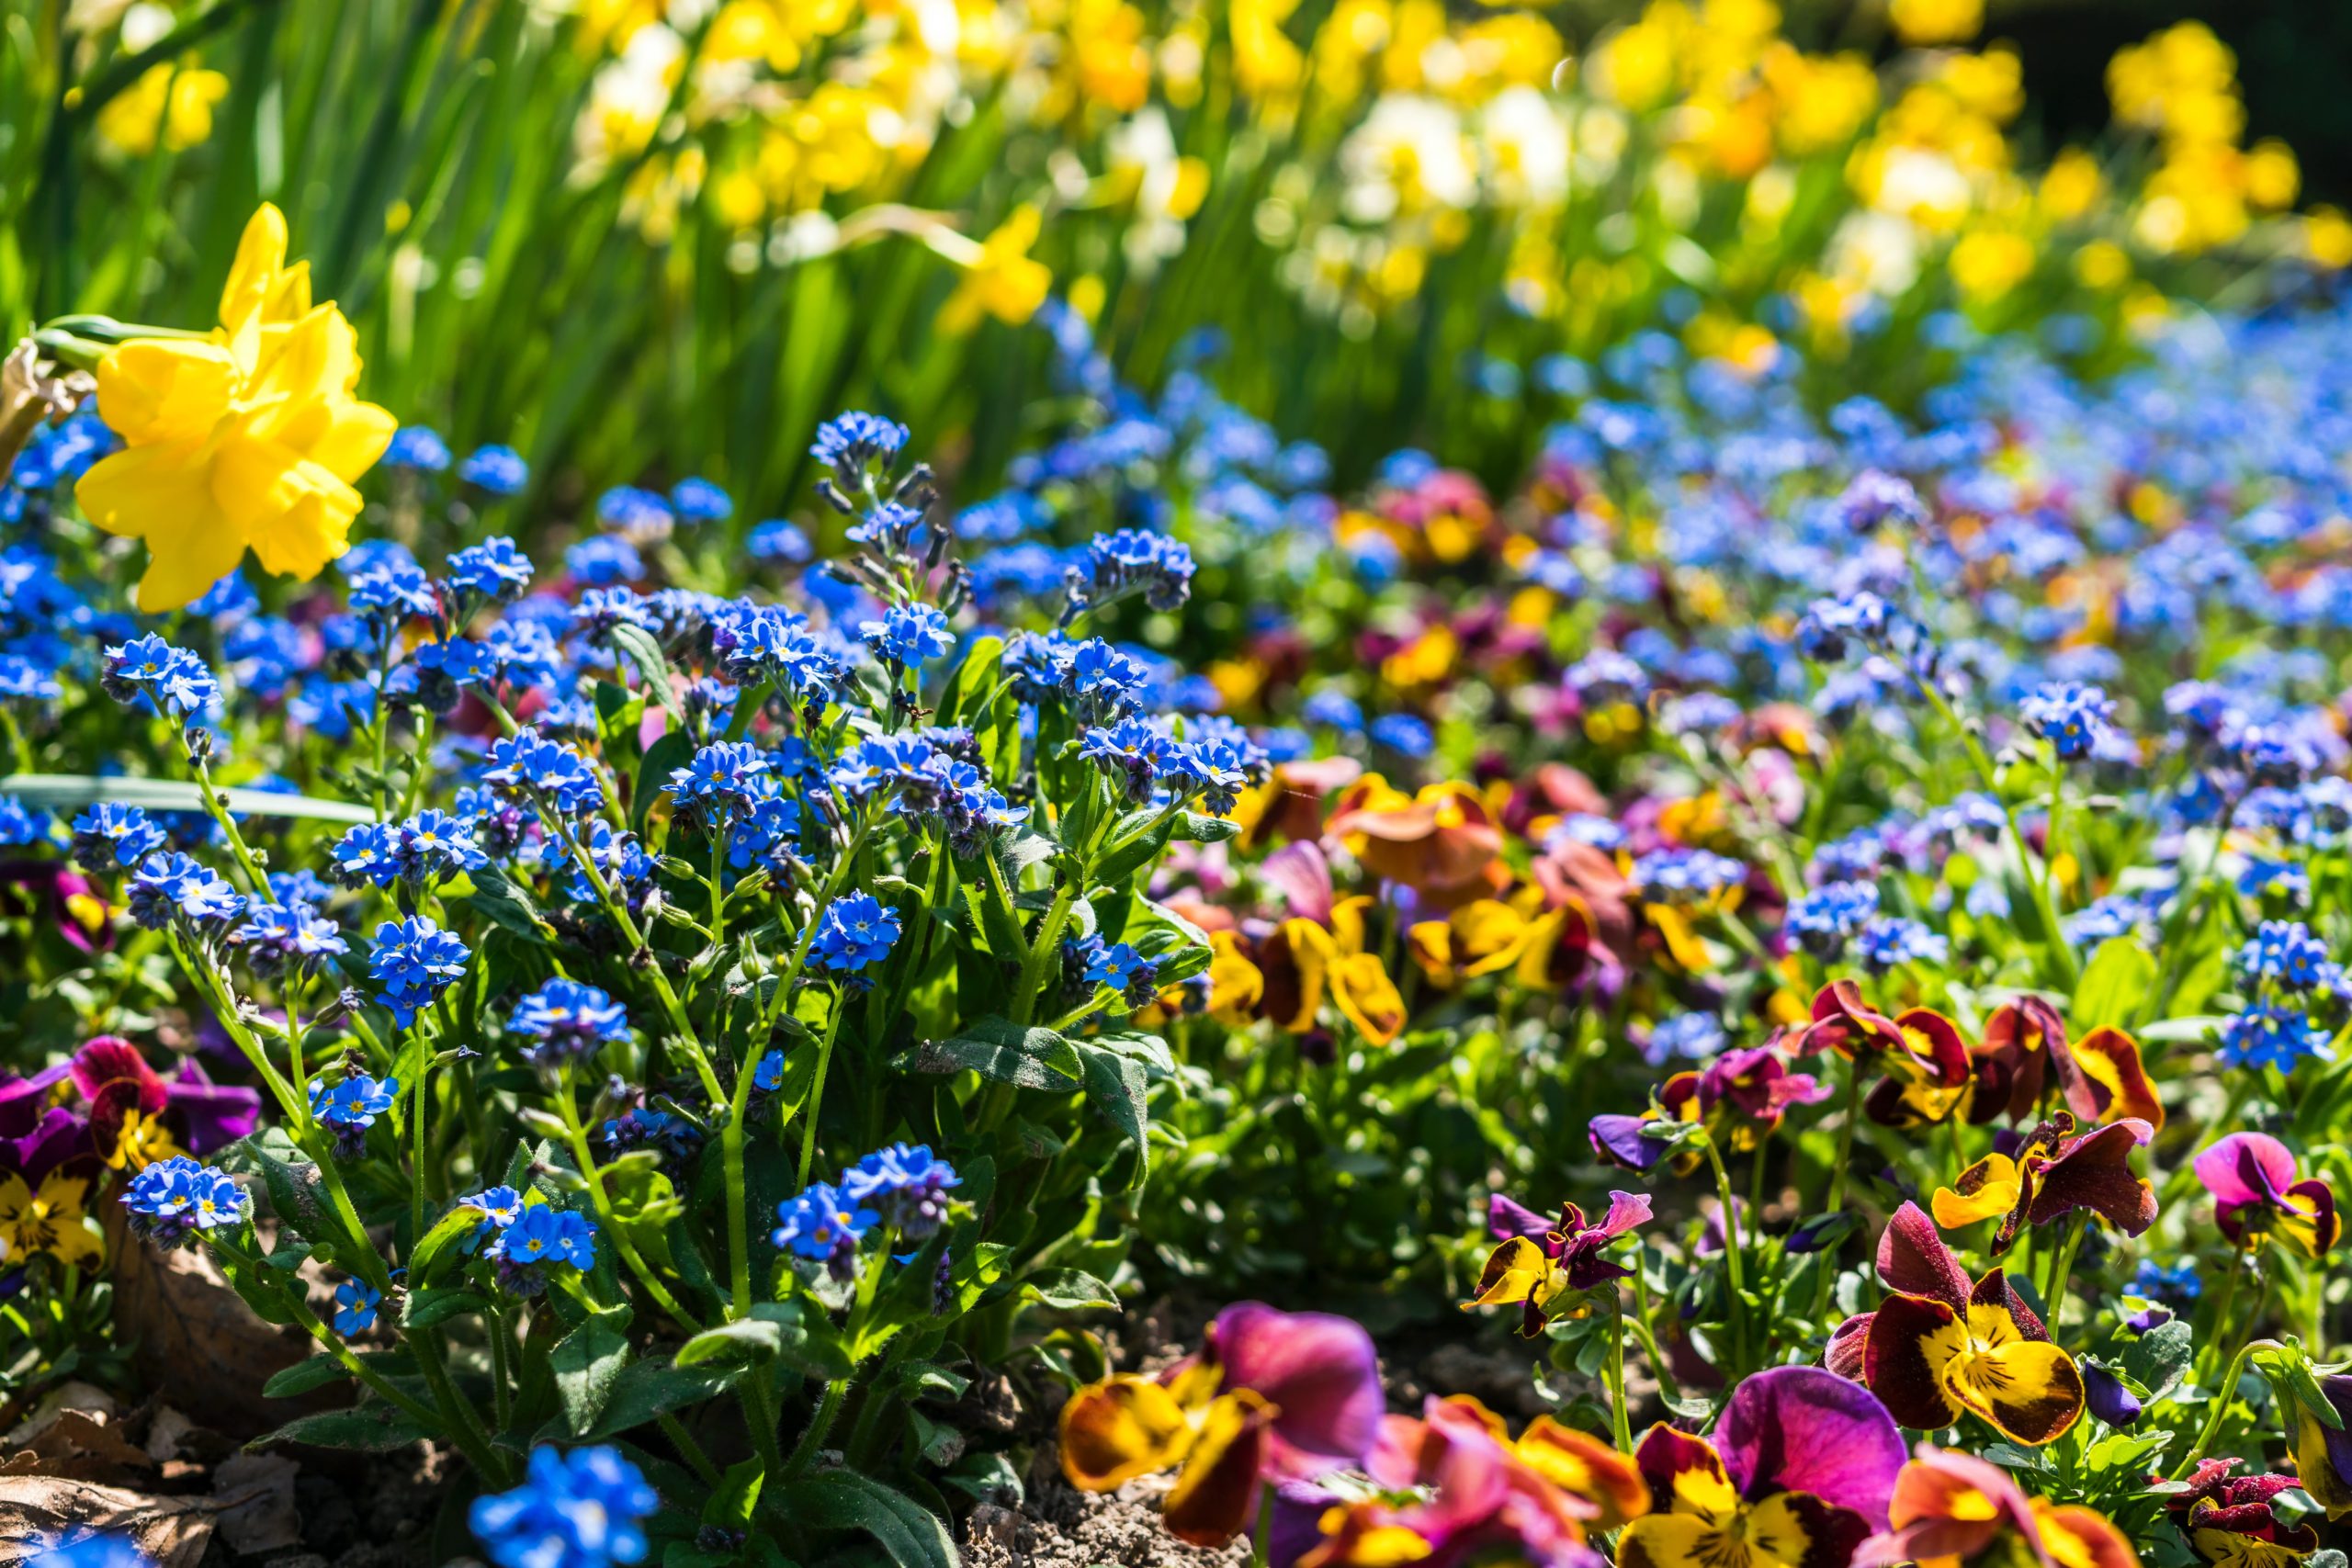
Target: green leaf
908 1533
429 1307
2159 1358
645 1389
60 790
2113 985
587 1361
439 1242
373 1428
1069 1289
1117 1090
639 644
314 1372
774 1331
1193 828
733 1505
1030 1057
499 901
671 752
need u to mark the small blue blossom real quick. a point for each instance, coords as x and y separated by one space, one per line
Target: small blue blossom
494 571
909 635
906 1187
355 1307
171 1200
413 961
110 835
417 447
566 1021
824 1225
1402 733
1891 940
855 933
851 442
699 501
495 470
169 885
2069 714
584 1509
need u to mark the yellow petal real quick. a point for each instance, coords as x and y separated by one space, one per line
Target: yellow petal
153 390
1360 983
1118 1429
1990 1187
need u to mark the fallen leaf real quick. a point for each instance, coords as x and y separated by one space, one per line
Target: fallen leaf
196 1345
256 1495
40 1511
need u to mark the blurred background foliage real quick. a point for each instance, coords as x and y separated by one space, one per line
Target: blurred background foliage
638 241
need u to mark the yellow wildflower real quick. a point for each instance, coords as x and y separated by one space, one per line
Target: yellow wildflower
1002 281
168 100
247 439
1927 22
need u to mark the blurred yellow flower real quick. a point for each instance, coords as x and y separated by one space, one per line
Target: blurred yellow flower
2072 186
1987 263
246 438
2327 238
1001 281
171 100
1930 22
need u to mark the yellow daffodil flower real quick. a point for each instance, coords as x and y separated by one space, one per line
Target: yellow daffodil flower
247 439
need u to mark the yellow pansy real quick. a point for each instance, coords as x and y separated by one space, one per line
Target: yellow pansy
248 438
142 1141
49 1221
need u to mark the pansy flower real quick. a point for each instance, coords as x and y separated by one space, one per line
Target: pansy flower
1304 961
2228 1519
2054 1172
1271 1395
1798 1475
2324 1453
2258 1198
1455 1488
1552 1267
1739 1097
1940 1346
1951 1509
1442 842
2025 1044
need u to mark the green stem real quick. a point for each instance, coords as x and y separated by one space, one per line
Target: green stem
576 1139
816 1086
2224 1395
821 1425
1732 1264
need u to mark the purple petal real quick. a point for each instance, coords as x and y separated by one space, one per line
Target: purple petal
1303 878
1619 1139
22 1100
1626 1210
1318 1369
1507 1219
61 1139
1807 1429
213 1115
2246 1168
1913 1259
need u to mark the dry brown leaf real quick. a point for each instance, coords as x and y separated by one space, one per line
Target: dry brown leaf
197 1345
40 1511
256 1495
